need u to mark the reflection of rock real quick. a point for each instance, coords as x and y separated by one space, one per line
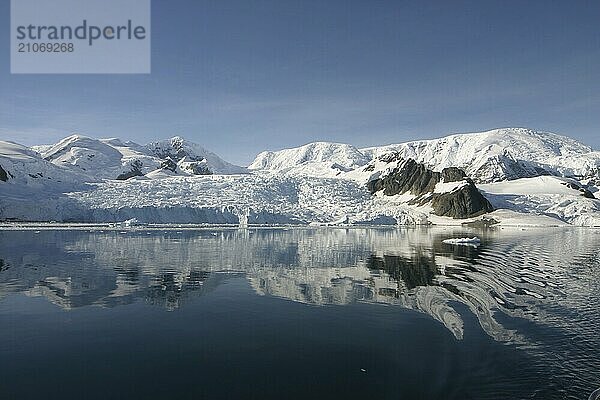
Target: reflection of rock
73 292
348 285
417 271
167 290
170 290
409 268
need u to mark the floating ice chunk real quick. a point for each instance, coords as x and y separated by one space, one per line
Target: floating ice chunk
126 224
474 241
131 222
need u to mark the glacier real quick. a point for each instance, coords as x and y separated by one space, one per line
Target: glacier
531 178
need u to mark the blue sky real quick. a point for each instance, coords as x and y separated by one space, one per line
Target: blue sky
242 76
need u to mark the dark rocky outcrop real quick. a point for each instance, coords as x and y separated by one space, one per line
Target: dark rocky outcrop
410 177
453 174
587 194
3 175
169 164
484 222
197 168
465 202
129 174
415 178
584 191
136 170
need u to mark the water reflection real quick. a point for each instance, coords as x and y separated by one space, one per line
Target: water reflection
516 273
535 289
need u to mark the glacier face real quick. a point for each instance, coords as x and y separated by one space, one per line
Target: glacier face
532 178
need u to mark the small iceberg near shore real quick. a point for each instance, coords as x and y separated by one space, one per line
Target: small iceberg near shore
130 223
474 241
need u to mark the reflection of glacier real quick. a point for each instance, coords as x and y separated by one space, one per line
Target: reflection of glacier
516 273
352 284
167 290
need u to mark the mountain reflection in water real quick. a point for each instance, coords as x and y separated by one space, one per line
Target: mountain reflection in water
548 277
513 271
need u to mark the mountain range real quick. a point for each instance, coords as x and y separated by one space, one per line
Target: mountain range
509 176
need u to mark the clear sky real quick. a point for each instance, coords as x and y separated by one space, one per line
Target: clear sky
243 76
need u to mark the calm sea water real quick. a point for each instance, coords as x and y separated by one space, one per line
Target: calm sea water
299 314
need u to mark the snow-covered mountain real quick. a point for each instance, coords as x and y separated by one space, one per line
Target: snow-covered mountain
492 156
512 176
502 154
191 156
313 159
20 165
99 159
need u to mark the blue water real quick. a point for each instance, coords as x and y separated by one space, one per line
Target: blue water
300 313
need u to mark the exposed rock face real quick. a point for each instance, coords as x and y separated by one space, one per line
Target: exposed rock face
506 167
129 174
465 201
410 177
453 174
195 167
584 191
3 175
136 170
175 152
484 222
169 164
587 194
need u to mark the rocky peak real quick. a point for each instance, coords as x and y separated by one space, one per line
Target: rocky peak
3 174
461 201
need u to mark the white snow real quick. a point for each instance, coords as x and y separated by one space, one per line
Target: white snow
25 167
544 195
448 187
321 159
485 156
320 183
100 159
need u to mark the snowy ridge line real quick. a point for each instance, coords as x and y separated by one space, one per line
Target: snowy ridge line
491 156
530 178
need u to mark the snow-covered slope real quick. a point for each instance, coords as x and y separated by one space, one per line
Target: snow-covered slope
320 183
545 195
500 154
99 159
315 159
26 167
492 156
